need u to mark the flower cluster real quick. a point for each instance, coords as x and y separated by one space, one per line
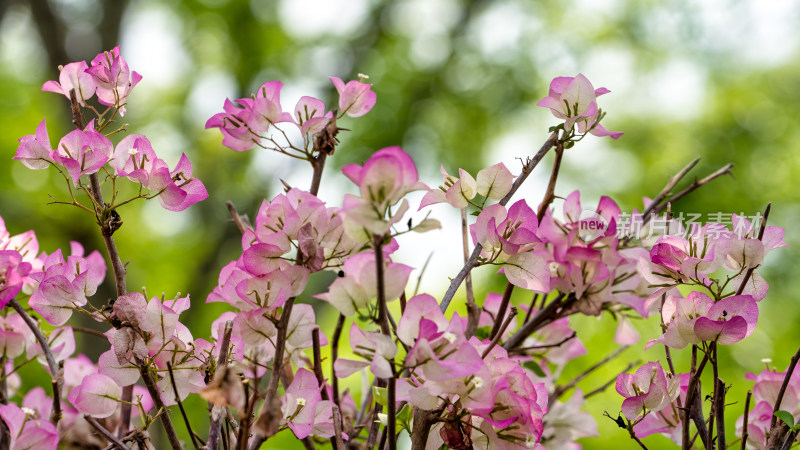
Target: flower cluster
88 151
489 379
246 122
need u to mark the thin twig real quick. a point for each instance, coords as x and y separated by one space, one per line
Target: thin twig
530 164
337 335
55 416
785 383
750 271
222 366
611 381
271 403
719 404
500 331
550 193
242 223
106 434
543 346
501 311
724 170
318 165
473 311
744 423
559 390
670 184
163 412
318 361
542 317
337 428
422 272
383 321
180 405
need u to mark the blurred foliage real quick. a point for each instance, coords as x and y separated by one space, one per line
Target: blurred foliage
457 82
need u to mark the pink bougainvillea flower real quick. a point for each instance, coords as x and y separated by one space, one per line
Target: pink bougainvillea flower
13 271
73 76
358 286
233 124
34 150
97 396
265 109
26 432
310 115
376 348
355 98
83 152
647 389
177 189
386 177
574 100
134 158
728 321
300 403
113 78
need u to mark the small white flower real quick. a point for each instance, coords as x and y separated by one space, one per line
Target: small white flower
767 360
450 337
28 411
133 152
477 382
363 77
301 401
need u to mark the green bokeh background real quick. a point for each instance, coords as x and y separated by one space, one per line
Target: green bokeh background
457 82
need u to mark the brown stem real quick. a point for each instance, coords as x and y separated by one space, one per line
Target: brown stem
272 404
712 414
543 316
636 438
55 416
222 365
532 306
500 332
785 383
113 255
242 222
501 311
611 381
471 263
473 311
337 428
719 405
318 164
520 350
692 392
166 421
107 434
750 271
423 421
744 423
560 390
724 170
383 320
550 194
337 335
670 184
180 405
318 361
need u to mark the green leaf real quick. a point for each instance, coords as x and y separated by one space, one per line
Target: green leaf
786 417
380 395
534 367
404 419
483 333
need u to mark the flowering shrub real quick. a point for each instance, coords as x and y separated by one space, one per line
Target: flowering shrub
488 380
